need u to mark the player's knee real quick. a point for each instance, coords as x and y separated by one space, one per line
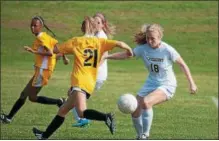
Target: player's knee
63 111
32 98
146 104
137 112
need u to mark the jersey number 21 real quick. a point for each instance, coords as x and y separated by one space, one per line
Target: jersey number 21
91 54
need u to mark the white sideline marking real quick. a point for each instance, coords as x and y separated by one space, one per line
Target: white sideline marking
215 100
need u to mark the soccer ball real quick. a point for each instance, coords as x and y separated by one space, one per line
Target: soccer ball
127 103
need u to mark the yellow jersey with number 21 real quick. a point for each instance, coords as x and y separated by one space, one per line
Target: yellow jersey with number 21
87 53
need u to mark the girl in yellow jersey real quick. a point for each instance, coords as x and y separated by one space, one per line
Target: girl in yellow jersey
104 30
44 65
87 51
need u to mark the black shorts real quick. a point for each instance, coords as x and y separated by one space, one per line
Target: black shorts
80 90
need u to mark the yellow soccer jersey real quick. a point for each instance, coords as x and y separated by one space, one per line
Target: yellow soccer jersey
44 40
87 54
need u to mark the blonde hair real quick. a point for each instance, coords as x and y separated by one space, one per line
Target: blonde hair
140 36
108 28
89 26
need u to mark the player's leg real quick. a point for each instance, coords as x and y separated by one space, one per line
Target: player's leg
108 118
17 105
136 118
75 114
79 109
155 97
59 118
41 79
84 122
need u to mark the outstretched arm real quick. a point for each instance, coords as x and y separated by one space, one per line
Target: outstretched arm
118 56
64 58
185 69
47 53
121 55
123 45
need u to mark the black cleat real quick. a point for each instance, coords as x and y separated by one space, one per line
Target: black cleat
110 122
4 119
38 134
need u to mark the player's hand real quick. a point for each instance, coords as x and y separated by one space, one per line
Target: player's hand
130 53
193 89
66 61
28 49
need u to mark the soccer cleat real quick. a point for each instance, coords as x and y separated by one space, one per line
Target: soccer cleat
38 134
81 123
5 119
62 100
137 138
143 137
110 122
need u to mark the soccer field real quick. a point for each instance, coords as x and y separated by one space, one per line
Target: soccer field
190 27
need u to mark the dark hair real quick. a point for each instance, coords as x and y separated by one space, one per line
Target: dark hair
43 23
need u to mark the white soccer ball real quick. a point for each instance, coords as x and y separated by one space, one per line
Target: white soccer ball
127 103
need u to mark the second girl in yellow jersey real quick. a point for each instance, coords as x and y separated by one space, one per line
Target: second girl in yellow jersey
45 61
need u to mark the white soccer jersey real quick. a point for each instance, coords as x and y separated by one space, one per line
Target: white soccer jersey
159 63
102 70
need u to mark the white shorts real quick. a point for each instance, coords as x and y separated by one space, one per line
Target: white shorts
70 91
168 90
99 84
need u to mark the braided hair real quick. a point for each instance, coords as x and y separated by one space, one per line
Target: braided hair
43 23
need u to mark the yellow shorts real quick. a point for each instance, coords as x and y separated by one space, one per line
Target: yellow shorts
41 77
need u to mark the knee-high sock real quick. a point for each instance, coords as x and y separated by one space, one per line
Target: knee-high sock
75 114
147 118
18 104
47 100
54 125
94 115
137 123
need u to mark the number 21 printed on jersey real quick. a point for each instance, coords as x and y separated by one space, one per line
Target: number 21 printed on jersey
90 54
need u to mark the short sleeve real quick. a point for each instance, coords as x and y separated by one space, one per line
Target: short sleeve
174 55
137 51
67 47
45 41
54 42
107 45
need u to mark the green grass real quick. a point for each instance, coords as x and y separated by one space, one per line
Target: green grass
191 27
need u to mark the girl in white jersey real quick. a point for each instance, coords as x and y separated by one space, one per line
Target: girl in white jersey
161 83
104 31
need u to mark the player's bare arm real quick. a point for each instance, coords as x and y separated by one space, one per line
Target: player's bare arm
118 55
126 47
185 69
47 53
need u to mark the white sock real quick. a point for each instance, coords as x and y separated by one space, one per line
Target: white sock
75 114
147 117
137 123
